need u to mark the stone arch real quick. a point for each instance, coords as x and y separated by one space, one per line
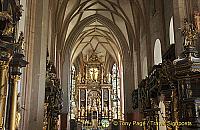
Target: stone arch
69 43
81 7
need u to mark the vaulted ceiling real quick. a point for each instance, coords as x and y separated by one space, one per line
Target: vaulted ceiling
98 38
79 29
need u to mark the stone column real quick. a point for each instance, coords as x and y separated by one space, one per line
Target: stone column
36 27
65 83
128 86
179 12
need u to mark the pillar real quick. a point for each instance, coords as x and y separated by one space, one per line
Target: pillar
3 89
179 12
36 35
13 102
65 83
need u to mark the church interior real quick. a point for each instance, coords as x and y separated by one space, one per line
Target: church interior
99 64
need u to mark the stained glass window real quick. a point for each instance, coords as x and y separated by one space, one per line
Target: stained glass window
73 108
116 92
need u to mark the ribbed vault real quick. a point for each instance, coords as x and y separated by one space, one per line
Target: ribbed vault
69 14
96 36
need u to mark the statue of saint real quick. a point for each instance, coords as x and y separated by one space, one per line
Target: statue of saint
105 111
79 77
96 74
93 74
94 103
82 111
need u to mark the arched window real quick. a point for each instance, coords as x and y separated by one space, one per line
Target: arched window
157 52
116 92
73 104
171 31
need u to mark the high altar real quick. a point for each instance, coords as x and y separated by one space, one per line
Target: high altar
92 97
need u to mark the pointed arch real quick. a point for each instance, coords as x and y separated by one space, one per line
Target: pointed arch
157 52
70 42
171 31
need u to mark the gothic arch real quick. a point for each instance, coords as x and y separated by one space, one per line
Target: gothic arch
157 52
171 31
105 21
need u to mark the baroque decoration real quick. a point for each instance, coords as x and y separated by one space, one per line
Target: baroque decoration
53 98
11 62
175 83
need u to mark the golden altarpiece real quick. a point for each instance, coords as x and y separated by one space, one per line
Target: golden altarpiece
94 97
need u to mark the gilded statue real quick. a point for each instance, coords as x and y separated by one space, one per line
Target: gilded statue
190 33
93 74
82 111
79 77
